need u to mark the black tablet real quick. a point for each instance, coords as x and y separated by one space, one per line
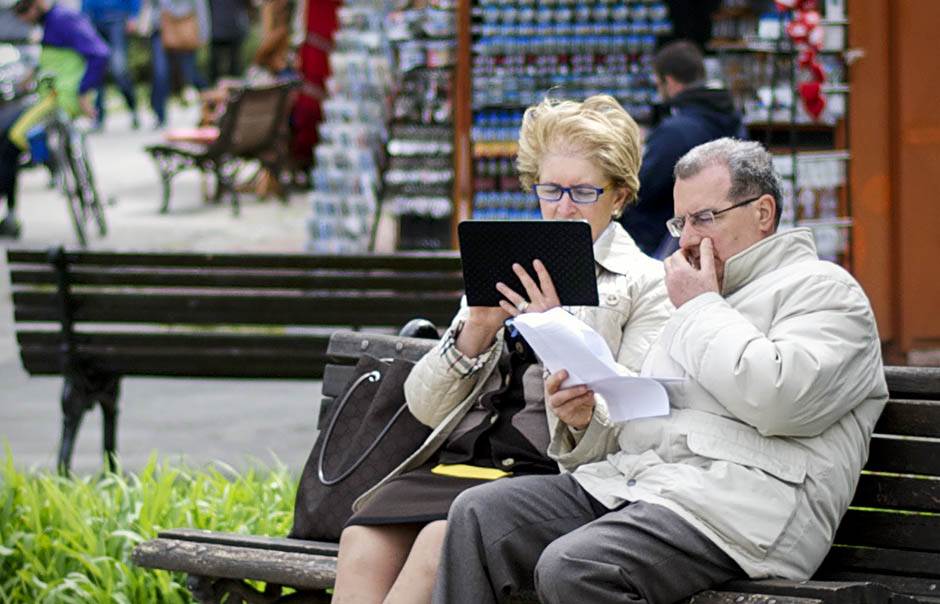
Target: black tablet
488 250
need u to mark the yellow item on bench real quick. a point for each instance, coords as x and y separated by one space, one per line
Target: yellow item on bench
459 470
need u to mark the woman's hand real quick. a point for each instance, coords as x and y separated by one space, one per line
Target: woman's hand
480 328
574 406
541 296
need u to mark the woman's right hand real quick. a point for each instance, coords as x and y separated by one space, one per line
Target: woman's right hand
480 328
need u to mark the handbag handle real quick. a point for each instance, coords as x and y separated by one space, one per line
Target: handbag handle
372 376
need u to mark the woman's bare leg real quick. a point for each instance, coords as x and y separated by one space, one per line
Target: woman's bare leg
416 579
370 559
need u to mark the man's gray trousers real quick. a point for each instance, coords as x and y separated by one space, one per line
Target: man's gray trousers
546 533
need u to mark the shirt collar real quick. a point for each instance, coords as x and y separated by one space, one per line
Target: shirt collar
615 250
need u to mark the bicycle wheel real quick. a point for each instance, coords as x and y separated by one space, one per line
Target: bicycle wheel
86 181
59 146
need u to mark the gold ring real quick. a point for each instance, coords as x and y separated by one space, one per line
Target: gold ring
522 306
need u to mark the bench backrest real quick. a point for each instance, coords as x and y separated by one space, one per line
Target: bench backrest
893 526
252 119
216 315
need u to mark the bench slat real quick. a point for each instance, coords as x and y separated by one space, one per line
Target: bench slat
272 342
901 492
346 346
831 592
726 597
402 261
913 382
926 590
892 530
247 279
170 364
231 562
283 544
910 418
904 456
881 560
248 308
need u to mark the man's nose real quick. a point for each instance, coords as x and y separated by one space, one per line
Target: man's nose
689 236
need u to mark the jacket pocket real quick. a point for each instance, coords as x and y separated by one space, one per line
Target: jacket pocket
743 491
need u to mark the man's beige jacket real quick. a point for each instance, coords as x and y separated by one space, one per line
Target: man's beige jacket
767 435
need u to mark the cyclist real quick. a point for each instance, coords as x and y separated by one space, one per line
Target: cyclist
76 57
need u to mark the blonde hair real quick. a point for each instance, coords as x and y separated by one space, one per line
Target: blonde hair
598 129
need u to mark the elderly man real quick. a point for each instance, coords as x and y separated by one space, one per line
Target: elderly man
759 456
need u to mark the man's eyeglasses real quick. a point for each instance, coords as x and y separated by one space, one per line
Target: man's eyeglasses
582 194
703 219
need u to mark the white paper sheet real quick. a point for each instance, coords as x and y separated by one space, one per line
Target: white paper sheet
562 341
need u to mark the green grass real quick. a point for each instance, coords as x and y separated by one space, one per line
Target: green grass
66 540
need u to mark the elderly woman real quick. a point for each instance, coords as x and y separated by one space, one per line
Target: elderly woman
486 399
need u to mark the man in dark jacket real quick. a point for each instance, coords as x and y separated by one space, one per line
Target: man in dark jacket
692 114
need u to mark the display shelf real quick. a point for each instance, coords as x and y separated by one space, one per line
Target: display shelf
419 178
350 154
523 51
760 66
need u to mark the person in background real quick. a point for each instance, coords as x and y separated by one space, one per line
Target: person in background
273 56
694 114
115 20
229 25
164 62
480 388
76 58
756 462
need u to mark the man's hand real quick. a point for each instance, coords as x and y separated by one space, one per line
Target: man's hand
573 406
87 107
684 281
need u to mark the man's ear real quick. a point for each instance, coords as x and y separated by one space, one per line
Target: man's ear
767 212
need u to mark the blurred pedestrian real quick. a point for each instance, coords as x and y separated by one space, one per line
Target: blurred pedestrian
114 20
229 23
154 13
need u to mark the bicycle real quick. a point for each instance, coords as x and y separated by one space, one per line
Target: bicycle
69 152
62 146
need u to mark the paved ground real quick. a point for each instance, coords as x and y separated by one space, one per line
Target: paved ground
196 420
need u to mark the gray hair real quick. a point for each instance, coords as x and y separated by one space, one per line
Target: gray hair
750 166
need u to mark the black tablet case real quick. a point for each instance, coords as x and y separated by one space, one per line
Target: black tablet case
489 248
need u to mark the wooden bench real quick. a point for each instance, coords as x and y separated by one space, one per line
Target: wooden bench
888 543
251 128
96 317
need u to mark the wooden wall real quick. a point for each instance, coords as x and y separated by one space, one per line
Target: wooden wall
894 138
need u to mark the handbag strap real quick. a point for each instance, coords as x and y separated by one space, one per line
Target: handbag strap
372 376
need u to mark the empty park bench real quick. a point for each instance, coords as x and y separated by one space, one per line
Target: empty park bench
887 546
252 127
97 317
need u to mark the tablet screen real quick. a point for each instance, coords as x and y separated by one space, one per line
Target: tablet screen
488 250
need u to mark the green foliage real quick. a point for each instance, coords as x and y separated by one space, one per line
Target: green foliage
65 540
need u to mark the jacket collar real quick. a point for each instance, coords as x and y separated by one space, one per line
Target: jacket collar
767 255
615 250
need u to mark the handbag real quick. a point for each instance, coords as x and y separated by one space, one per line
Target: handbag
179 33
369 432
